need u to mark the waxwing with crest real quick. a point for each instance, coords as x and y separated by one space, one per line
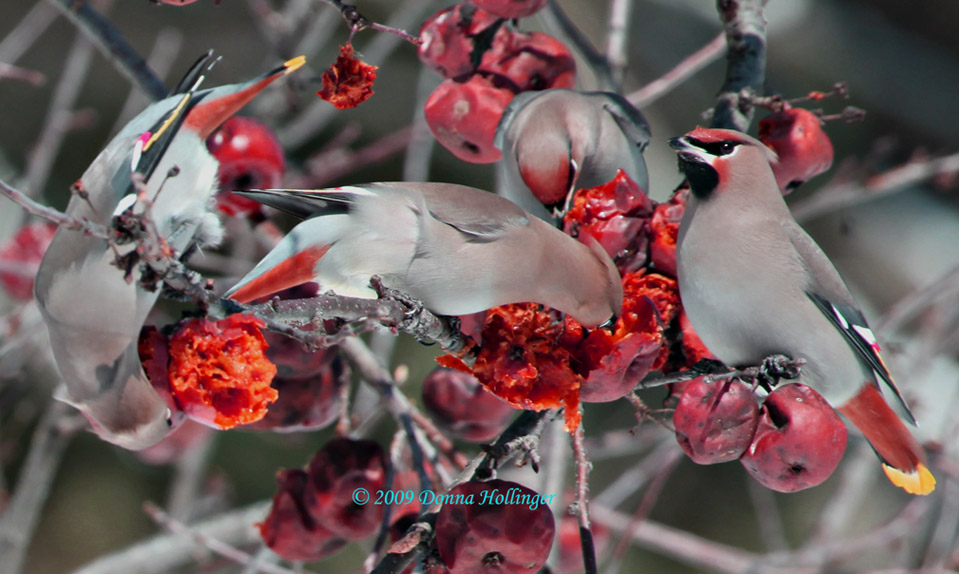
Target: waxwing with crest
754 284
458 249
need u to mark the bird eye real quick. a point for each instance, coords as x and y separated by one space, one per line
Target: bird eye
726 148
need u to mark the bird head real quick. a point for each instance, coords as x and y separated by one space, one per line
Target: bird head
712 158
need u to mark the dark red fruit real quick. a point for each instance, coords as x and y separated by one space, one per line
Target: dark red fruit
663 233
511 8
463 117
799 441
454 39
529 61
20 257
617 215
289 529
489 527
715 420
463 407
250 157
336 472
804 149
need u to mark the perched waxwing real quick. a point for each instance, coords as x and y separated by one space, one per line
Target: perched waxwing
754 284
556 141
457 249
93 314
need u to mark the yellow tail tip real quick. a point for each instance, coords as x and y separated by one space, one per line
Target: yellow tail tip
919 481
294 64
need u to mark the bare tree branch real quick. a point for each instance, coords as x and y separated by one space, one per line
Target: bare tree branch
745 27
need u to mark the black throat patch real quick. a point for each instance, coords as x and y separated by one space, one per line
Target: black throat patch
703 179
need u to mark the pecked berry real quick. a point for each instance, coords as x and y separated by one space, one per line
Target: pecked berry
799 441
527 61
463 407
219 372
715 420
20 257
455 38
289 529
489 527
616 214
804 149
463 117
250 157
338 470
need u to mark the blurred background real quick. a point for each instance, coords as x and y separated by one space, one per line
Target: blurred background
897 245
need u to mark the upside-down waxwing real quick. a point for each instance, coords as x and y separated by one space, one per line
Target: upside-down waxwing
93 314
457 249
754 284
557 141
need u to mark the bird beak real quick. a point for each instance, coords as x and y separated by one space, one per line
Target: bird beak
610 324
678 144
207 115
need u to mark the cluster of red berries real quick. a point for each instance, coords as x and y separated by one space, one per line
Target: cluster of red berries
315 511
793 441
486 61
536 359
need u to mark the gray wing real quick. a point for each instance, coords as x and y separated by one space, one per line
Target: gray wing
831 296
480 215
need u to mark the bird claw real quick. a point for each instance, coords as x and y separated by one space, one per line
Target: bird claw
414 306
777 367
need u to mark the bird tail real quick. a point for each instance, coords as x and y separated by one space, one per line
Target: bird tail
903 459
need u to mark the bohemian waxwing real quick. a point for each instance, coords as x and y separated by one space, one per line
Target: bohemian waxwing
754 284
457 249
92 313
557 141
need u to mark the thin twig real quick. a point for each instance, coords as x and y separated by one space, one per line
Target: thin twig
112 45
582 501
357 22
20 517
204 540
847 194
684 70
50 214
56 123
32 77
160 59
556 17
617 39
26 33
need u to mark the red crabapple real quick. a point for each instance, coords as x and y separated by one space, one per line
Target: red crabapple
250 157
463 117
529 61
494 532
462 406
454 39
804 149
799 441
336 472
289 529
20 257
715 420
